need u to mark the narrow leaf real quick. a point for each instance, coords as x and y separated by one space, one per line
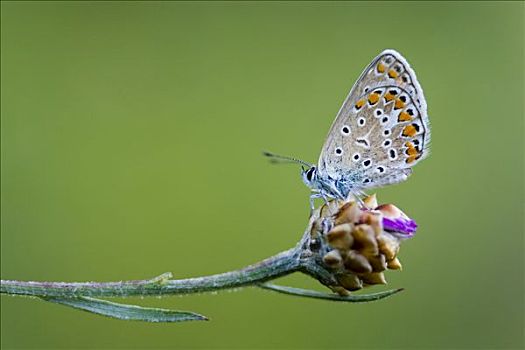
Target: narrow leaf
362 298
126 312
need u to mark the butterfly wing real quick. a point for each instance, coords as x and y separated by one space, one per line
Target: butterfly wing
382 128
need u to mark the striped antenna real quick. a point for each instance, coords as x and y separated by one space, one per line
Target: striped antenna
275 158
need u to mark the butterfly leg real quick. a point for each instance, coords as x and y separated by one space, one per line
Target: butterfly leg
325 198
312 197
326 202
315 195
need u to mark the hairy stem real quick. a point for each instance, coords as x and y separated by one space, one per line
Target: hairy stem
273 267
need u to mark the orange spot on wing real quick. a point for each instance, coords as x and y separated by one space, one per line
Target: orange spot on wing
412 159
389 97
411 150
404 117
359 104
409 130
373 98
392 74
399 104
380 67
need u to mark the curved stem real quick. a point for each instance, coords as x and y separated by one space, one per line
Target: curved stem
273 267
359 298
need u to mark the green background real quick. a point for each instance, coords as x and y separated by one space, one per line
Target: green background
131 140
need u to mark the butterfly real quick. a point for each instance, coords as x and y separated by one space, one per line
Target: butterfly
381 131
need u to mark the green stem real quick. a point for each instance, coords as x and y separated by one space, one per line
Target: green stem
273 267
358 298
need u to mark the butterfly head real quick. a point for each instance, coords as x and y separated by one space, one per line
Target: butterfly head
309 175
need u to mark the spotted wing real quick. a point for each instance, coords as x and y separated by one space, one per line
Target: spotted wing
382 129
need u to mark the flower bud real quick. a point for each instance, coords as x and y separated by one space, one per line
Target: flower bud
388 245
365 236
350 282
378 263
374 220
374 278
358 243
357 263
394 220
394 264
370 201
349 212
339 237
333 259
391 211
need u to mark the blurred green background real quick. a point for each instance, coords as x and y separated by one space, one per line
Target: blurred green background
131 141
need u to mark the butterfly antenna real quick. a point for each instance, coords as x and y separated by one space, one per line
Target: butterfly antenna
275 158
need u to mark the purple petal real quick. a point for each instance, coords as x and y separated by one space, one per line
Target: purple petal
405 227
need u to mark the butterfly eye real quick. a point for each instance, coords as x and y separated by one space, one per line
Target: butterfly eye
378 112
356 157
310 173
338 151
361 121
386 132
345 130
367 163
